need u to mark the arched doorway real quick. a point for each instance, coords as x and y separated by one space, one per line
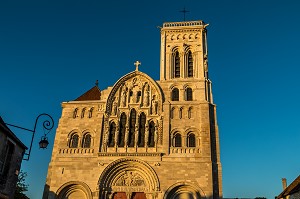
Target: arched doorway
128 179
74 190
184 190
138 195
119 195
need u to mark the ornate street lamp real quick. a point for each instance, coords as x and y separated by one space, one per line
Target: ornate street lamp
47 125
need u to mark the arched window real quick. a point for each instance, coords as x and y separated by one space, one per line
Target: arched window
191 140
83 112
86 141
121 137
75 113
190 112
189 94
176 64
175 94
190 70
132 128
177 140
141 138
111 136
74 141
151 134
91 112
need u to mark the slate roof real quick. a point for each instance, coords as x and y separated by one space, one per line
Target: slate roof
92 94
294 187
10 134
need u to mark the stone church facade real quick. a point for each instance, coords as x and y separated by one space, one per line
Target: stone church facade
141 138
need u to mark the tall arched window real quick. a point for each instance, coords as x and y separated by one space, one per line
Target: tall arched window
191 140
190 70
141 138
75 113
189 94
74 141
177 140
151 134
121 137
112 133
176 62
175 94
86 141
132 121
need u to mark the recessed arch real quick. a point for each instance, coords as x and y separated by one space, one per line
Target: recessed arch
74 189
113 177
184 190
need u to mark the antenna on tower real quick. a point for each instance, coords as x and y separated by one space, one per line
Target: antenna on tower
184 11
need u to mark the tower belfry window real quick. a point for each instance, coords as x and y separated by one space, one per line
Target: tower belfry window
190 64
176 65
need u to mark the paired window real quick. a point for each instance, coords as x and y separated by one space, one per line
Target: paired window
86 140
190 140
188 94
189 64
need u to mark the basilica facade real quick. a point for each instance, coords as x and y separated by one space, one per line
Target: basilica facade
143 138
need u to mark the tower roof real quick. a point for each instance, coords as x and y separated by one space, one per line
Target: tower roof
92 94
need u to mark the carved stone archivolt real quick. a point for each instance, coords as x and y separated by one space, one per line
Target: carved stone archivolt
128 175
137 91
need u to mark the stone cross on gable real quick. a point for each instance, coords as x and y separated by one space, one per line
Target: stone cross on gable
137 63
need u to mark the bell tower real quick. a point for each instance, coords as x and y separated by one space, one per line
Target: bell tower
192 120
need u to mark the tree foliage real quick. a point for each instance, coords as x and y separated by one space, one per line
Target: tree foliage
21 186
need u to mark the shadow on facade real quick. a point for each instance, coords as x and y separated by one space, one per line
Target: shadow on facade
47 193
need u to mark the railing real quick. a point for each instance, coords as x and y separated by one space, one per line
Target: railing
184 150
76 151
185 23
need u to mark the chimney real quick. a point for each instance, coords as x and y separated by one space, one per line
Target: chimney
283 183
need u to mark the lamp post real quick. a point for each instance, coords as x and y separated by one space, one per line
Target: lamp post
47 125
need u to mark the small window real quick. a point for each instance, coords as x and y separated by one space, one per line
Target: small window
175 94
86 141
75 113
177 140
172 113
191 141
74 141
131 134
91 112
141 137
83 112
190 111
189 94
180 112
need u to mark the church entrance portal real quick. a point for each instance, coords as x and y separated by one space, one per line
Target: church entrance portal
135 195
138 195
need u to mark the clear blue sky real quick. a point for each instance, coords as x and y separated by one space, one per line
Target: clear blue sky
53 51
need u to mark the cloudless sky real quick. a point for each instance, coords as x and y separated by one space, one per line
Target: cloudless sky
54 50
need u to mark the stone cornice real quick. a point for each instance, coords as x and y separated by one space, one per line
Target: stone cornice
130 154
